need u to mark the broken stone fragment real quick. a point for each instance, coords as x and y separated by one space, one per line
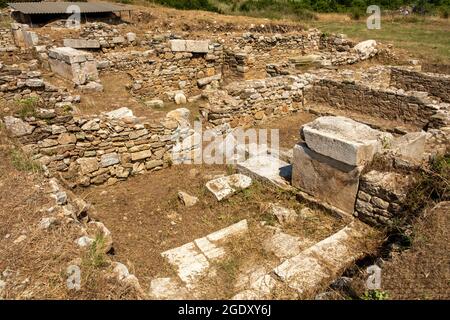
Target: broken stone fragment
187 199
120 113
410 146
92 87
180 98
366 48
283 215
84 241
226 186
61 197
154 103
46 223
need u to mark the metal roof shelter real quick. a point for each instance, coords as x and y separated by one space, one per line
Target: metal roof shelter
29 12
61 7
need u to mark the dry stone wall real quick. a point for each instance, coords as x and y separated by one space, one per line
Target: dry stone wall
384 104
173 71
6 40
436 68
246 102
97 149
437 85
17 84
381 197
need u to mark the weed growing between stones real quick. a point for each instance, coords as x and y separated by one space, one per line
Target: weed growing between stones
96 257
28 107
22 162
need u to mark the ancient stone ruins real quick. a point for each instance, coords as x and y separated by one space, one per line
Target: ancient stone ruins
361 112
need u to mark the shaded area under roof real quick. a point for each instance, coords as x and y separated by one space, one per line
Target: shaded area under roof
61 7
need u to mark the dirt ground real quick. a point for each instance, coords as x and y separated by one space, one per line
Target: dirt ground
289 127
146 217
35 268
423 271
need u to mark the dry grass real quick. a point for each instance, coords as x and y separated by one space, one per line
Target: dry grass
36 267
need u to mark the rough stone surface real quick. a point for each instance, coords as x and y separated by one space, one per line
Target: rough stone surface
167 289
316 267
187 199
344 139
226 186
326 179
17 127
267 168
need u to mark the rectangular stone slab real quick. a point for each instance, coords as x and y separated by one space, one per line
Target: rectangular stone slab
81 43
326 179
269 168
344 139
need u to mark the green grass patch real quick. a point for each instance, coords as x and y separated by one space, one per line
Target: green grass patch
433 185
375 295
22 162
95 256
427 39
27 107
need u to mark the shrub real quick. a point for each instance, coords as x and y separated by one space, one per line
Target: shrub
274 9
433 184
444 13
188 4
356 13
375 295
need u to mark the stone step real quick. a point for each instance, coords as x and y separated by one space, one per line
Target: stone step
316 267
192 260
268 168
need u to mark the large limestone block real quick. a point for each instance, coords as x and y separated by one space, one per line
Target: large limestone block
177 45
72 64
269 168
197 46
326 179
17 127
344 139
30 39
69 55
366 48
411 146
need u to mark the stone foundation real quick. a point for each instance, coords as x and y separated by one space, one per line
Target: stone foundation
247 102
382 104
98 149
437 85
381 197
